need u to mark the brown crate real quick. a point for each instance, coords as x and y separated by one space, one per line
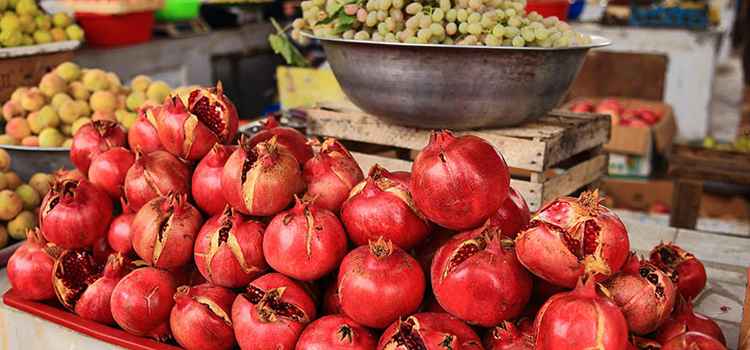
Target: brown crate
27 70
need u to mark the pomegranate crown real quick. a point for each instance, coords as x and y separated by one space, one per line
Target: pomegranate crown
176 201
590 201
683 306
331 148
174 104
305 201
126 209
103 126
35 238
270 123
586 285
381 248
65 188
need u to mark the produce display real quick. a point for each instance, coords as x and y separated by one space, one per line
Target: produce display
637 117
740 144
271 245
23 23
461 22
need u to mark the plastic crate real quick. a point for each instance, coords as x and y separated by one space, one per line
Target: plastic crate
657 16
117 30
548 8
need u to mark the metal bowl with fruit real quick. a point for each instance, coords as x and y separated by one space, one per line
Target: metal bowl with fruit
30 160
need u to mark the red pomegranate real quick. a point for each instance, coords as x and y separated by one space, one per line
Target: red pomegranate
476 277
379 284
429 331
75 214
229 250
119 232
155 175
190 131
459 182
108 170
206 184
638 343
93 139
260 181
506 336
381 206
425 251
331 300
331 174
186 275
683 319
430 304
513 215
101 250
142 301
201 317
74 174
291 139
568 236
687 272
305 242
142 134
589 321
693 341
336 332
30 268
272 313
644 294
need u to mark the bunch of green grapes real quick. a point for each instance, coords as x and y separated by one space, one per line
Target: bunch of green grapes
463 22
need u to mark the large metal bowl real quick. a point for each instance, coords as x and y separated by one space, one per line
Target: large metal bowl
455 87
26 161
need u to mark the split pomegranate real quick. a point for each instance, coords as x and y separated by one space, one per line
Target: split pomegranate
272 313
155 175
336 332
687 272
589 320
506 336
459 182
93 139
109 169
291 139
75 214
644 294
568 236
693 341
260 180
119 235
229 250
476 277
142 301
513 215
30 268
683 319
429 331
206 184
380 206
201 317
331 174
190 131
638 343
142 133
379 284
305 242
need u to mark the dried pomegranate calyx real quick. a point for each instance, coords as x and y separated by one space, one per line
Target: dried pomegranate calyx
381 248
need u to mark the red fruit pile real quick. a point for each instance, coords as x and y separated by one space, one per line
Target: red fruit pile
637 117
270 245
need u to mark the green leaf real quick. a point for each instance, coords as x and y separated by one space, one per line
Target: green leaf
347 19
338 13
282 46
340 28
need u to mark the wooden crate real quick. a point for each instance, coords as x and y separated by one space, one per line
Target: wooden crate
551 157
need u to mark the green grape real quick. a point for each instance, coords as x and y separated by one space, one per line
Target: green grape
448 41
475 4
370 6
510 13
298 23
372 19
471 40
318 2
425 21
377 37
397 4
382 15
451 15
495 3
462 15
437 29
445 5
463 3
414 8
507 42
511 32
407 33
518 41
499 15
562 26
437 15
528 34
400 26
561 42
514 22
412 23
516 6
381 29
302 40
362 35
433 40
492 40
397 15
554 36
390 24
421 41
498 31
306 5
349 34
540 33
390 37
568 34
586 39
474 18
385 5
475 28
296 34
463 28
451 28
544 42
424 34
487 22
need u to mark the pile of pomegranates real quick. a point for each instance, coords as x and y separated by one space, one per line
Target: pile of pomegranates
179 235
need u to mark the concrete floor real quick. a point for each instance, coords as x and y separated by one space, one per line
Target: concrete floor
725 103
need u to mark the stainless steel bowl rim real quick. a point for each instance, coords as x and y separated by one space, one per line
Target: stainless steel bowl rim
30 148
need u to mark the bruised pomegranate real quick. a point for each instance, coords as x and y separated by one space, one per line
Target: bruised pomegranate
683 319
305 242
190 131
429 331
476 277
638 343
506 336
75 214
229 250
291 139
644 294
201 317
142 134
580 319
687 272
331 174
568 236
693 341
379 284
206 184
93 139
119 232
260 180
272 313
30 268
459 182
142 301
336 332
380 206
155 175
513 215
108 170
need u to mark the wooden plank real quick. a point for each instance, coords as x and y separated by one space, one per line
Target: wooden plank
744 341
531 192
686 201
593 131
576 177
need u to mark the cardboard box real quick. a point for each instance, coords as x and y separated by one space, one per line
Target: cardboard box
25 66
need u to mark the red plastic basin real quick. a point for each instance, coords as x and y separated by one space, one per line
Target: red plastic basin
549 8
117 30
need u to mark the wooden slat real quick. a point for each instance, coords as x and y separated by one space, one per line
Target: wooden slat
589 132
576 177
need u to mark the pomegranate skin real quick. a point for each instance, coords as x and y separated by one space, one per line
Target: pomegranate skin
513 215
109 169
693 341
379 284
459 182
229 250
425 250
580 319
75 214
142 133
429 331
305 242
684 319
119 232
381 206
200 318
506 336
142 301
101 250
260 323
93 139
94 304
291 139
569 236
30 268
336 332
155 175
206 184
331 300
637 343
687 272
477 278
331 174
